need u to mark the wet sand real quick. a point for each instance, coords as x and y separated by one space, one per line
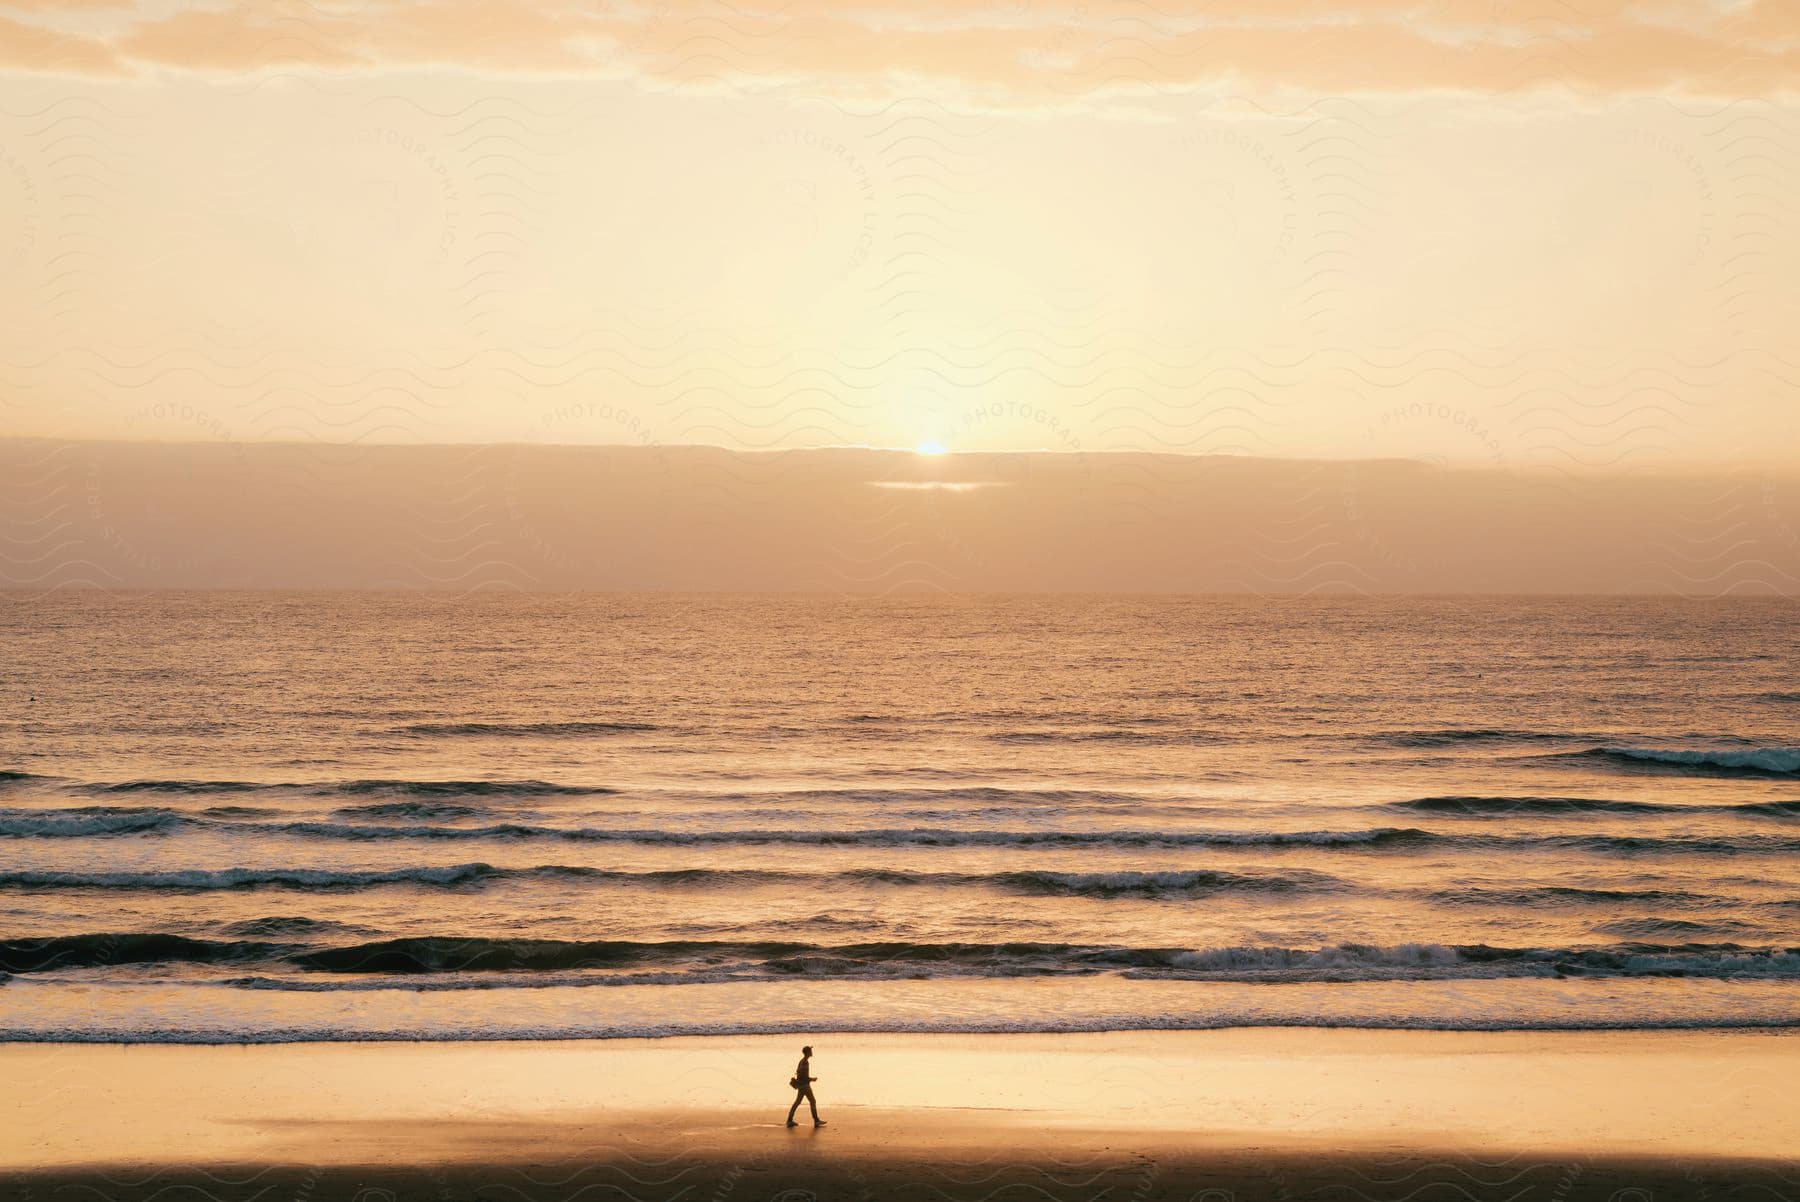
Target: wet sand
1190 1115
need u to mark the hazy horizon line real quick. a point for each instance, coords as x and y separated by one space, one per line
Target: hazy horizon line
1667 467
497 590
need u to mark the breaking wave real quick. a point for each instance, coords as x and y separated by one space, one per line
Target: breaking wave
1455 738
1759 761
522 729
1043 883
200 880
100 820
709 961
1535 806
1564 895
412 809
888 837
85 821
356 788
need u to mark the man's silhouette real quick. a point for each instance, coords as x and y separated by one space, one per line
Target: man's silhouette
802 1084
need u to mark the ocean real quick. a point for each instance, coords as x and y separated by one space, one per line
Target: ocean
305 816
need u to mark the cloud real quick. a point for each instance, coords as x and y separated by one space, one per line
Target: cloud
34 47
1019 51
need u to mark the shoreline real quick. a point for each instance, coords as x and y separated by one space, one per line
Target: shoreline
48 1012
1788 1028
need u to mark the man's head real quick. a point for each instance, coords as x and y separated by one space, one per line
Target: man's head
806 1051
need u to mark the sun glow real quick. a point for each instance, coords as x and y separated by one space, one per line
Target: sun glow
932 448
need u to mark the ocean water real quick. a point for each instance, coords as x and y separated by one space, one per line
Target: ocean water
252 817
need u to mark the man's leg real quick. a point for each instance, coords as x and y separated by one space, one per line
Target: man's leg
791 1109
812 1104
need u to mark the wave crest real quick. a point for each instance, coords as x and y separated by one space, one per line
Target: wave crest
705 961
197 880
1757 761
357 788
522 729
86 821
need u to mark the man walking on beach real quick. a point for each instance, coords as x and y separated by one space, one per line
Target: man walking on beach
802 1084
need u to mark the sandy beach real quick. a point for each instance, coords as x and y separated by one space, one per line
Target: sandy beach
1268 1113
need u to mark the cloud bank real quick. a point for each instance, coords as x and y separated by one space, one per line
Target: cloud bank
1013 51
457 519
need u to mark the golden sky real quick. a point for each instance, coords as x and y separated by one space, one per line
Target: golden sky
1498 234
